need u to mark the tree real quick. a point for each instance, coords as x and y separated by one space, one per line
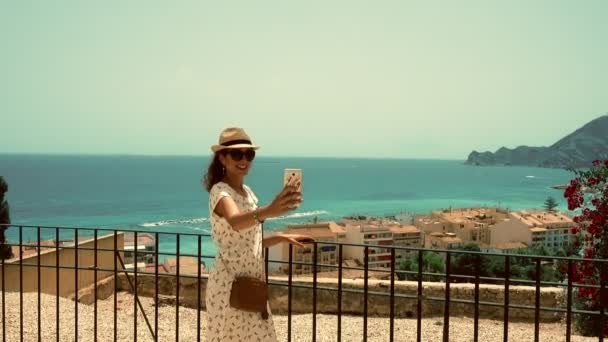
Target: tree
496 268
541 250
407 265
516 272
550 204
5 250
465 264
529 272
588 194
431 263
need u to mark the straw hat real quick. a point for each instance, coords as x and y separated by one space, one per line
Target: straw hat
233 137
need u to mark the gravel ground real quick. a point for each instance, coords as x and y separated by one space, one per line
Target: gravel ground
461 329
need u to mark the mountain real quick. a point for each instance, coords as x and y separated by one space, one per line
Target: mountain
578 149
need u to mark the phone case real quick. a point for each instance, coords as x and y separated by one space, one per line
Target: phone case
292 177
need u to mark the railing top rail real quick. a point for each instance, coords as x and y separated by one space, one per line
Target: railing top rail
344 244
110 230
457 251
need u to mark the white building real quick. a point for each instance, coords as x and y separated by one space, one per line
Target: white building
379 233
549 229
327 254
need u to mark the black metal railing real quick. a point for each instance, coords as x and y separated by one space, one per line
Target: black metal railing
71 262
74 259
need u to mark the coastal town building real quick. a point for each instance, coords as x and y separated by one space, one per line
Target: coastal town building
380 232
492 229
496 229
406 236
327 254
356 231
539 228
505 247
145 250
431 224
439 240
474 224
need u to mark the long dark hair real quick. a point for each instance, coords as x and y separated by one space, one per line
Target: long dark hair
215 172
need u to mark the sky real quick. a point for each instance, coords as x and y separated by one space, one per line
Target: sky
373 79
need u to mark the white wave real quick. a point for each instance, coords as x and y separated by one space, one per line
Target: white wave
204 219
300 215
204 230
530 176
166 222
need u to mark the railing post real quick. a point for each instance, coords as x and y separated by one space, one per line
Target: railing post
266 262
419 299
446 310
116 285
198 292
95 265
76 286
135 287
57 312
177 290
569 303
365 291
476 315
506 301
392 297
4 302
537 302
20 283
603 300
339 324
39 287
314 292
156 243
289 283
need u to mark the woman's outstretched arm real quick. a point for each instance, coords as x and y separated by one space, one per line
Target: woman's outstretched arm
285 201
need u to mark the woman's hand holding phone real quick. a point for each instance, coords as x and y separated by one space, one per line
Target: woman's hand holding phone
293 177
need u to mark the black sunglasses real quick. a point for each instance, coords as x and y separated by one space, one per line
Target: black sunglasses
237 155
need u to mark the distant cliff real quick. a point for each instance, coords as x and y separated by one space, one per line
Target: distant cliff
579 149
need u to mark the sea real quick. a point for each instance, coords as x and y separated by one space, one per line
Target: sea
165 193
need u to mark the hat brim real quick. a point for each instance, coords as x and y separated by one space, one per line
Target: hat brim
217 148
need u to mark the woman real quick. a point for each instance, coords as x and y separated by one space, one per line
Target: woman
236 222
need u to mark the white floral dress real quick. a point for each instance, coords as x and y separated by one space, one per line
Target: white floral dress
238 253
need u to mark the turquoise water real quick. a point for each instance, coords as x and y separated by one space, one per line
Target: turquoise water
165 193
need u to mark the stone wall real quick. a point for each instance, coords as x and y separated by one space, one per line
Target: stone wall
48 274
352 297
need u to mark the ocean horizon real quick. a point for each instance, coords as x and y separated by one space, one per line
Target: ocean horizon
164 193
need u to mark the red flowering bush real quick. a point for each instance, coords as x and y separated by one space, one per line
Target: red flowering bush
587 195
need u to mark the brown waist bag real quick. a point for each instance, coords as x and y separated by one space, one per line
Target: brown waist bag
250 294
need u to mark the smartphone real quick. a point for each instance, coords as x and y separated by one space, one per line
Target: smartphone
293 177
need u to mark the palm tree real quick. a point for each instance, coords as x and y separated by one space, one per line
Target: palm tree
550 204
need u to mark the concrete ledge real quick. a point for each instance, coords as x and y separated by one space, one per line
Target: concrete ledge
352 302
105 289
379 305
